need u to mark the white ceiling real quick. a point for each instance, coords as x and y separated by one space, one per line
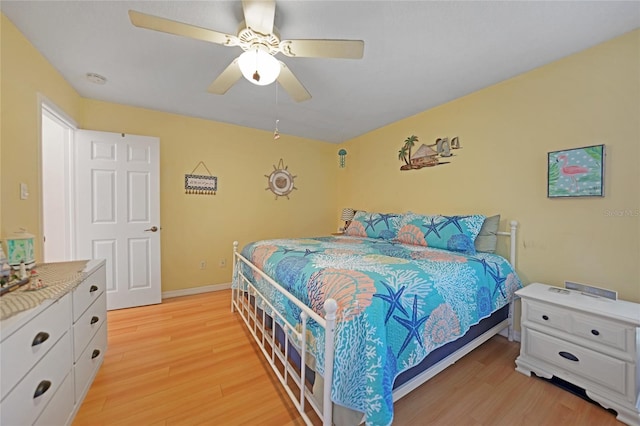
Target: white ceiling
418 54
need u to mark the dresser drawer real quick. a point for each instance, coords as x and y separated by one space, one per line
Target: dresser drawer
59 409
90 360
601 370
87 325
21 406
88 291
31 342
547 315
605 332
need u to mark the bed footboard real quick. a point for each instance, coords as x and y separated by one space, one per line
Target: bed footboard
261 319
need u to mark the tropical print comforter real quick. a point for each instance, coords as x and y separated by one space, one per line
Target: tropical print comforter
396 303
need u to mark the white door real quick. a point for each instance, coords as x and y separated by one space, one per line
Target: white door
118 213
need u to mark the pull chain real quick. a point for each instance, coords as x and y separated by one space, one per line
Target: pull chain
276 134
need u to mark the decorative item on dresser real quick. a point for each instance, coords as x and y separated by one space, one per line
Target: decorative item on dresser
591 342
20 249
51 353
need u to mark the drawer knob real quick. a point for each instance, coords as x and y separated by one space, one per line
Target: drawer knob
94 320
568 355
93 288
595 332
43 386
95 353
546 318
40 338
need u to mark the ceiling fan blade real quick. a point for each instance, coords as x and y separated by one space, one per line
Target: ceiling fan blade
228 78
150 22
292 85
346 49
259 15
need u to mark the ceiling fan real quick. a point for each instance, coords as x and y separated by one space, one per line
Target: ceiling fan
260 40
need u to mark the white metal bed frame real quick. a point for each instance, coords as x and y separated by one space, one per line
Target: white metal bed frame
255 318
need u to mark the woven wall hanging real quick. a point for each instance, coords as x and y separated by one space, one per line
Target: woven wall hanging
200 184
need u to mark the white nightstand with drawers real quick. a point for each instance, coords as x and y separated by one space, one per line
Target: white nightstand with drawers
591 342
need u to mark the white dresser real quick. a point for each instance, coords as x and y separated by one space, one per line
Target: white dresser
49 355
591 342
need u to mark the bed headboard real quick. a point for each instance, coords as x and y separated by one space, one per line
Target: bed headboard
512 243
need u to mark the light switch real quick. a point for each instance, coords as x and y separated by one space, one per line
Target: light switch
24 191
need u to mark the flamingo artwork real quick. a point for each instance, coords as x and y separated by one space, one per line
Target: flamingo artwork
573 172
576 172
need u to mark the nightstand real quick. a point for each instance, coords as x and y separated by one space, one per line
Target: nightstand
591 342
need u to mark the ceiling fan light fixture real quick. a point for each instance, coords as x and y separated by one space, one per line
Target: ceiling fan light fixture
259 66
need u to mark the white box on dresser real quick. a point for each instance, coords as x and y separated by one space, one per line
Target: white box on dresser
49 355
589 341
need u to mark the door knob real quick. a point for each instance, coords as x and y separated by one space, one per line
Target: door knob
152 229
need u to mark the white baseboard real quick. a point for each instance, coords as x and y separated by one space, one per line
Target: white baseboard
516 334
195 290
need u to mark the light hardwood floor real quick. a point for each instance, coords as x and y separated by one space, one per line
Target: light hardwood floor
190 361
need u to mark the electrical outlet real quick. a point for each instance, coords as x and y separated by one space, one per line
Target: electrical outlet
223 262
203 264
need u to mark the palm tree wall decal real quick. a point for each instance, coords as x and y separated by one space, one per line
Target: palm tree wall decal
410 143
402 155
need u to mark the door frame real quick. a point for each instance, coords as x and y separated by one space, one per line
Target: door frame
45 106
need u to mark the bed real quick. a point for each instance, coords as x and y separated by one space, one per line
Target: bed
351 323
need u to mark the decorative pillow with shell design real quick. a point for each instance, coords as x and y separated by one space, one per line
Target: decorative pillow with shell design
374 225
454 233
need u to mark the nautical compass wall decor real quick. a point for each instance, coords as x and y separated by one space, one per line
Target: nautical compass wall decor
281 180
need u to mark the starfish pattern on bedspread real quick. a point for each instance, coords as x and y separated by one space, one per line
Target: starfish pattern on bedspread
394 299
495 274
481 261
413 325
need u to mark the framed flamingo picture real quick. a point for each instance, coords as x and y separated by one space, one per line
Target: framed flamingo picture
576 172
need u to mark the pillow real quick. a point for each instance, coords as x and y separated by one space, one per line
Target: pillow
487 239
374 225
455 233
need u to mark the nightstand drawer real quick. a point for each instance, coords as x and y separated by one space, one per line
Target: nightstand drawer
604 332
601 370
547 315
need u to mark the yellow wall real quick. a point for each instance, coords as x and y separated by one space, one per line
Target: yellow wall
198 227
25 73
195 227
506 131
